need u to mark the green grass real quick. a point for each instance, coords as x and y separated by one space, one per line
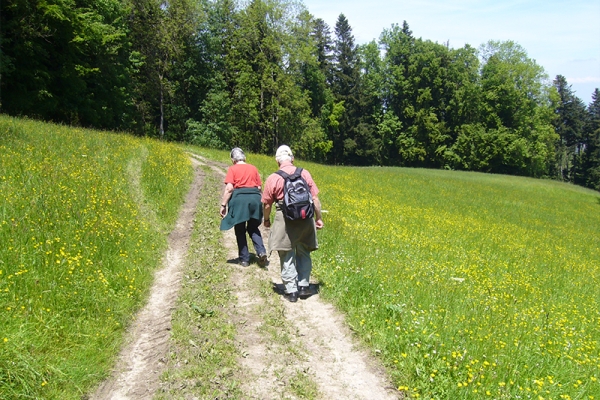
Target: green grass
466 285
83 217
469 285
203 357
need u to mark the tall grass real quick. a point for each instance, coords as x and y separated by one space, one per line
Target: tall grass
467 285
83 217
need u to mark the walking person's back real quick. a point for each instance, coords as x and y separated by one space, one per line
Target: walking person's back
293 239
241 206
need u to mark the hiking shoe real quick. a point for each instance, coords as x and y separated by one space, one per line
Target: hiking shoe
262 260
244 263
291 297
304 292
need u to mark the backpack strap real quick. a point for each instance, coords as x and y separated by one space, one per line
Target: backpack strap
284 175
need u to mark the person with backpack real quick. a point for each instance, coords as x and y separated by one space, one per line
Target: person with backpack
241 207
297 217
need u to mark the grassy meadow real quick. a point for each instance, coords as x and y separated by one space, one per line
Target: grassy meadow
467 285
83 223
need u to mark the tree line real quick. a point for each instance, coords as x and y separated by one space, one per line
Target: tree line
260 73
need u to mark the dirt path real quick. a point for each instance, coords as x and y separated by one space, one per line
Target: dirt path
320 345
288 350
140 363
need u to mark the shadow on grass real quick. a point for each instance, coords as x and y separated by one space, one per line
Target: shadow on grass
253 260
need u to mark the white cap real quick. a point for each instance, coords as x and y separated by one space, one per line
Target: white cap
284 153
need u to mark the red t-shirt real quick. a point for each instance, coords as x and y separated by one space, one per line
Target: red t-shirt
243 176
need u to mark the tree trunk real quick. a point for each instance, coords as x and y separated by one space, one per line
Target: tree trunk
161 129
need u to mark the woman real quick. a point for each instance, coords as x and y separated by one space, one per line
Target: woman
241 207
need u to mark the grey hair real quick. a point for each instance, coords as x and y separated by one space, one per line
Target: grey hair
237 154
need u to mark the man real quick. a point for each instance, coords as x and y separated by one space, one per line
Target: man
294 240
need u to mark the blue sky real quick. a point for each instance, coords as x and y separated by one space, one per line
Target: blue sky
561 36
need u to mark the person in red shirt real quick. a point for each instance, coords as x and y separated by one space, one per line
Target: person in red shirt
241 207
294 240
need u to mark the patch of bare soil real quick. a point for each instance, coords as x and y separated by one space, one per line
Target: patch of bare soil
138 369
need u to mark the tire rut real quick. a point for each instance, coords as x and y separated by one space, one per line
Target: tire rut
140 363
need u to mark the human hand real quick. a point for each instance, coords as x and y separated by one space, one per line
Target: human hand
223 211
267 223
319 224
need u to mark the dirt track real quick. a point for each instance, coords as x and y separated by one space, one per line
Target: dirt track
323 347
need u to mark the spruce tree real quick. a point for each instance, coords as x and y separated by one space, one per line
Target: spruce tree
345 89
569 124
592 135
324 47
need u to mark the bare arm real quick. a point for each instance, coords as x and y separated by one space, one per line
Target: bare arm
318 217
225 199
267 214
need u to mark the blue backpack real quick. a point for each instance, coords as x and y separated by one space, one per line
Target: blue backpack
297 200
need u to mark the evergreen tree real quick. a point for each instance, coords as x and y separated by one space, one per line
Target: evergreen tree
324 46
370 107
345 89
592 141
569 124
318 75
307 61
65 61
399 45
268 105
211 121
161 32
463 108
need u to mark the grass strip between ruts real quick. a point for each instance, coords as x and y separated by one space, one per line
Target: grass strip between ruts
203 356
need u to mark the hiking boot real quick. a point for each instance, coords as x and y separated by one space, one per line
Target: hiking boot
291 297
262 260
244 263
304 292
